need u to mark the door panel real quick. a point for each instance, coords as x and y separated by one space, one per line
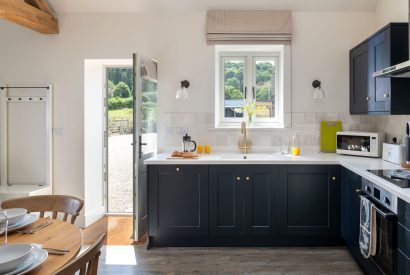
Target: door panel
379 58
309 200
260 203
226 203
359 69
178 200
144 136
350 208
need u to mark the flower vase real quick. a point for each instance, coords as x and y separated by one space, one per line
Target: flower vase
250 120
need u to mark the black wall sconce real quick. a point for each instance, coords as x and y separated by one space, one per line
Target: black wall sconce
318 92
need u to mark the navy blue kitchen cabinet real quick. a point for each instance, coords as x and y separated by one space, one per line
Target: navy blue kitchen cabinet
309 200
350 208
359 74
368 95
242 200
403 238
178 200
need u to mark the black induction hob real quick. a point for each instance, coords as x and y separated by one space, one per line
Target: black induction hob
394 176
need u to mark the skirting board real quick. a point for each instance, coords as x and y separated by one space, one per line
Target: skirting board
90 217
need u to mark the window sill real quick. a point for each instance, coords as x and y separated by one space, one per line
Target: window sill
256 127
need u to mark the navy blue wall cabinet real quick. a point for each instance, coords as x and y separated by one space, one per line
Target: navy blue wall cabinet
309 201
368 95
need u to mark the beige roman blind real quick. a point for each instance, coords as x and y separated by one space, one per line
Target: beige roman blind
248 27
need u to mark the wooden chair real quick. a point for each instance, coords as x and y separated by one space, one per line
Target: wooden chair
86 263
67 205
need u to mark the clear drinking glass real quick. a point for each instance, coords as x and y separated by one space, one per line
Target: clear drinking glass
3 224
284 145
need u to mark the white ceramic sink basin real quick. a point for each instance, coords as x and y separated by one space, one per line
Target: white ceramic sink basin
246 157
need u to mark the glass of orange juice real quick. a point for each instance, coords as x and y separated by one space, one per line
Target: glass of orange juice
199 149
208 149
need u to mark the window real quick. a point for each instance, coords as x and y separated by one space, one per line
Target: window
249 78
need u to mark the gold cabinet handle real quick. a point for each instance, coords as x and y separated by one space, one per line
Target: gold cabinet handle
238 178
177 169
248 178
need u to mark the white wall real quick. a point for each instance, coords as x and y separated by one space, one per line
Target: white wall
391 11
320 51
29 57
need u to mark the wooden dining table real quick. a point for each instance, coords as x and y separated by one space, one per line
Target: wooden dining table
59 234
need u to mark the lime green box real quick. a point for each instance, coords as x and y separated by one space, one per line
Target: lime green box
328 131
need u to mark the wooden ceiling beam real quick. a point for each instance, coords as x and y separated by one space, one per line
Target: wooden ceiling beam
41 5
26 15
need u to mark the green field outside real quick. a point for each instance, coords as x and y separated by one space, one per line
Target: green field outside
121 113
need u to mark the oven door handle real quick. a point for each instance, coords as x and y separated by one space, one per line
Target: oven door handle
385 215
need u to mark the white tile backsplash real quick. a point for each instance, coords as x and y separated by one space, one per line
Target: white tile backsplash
200 127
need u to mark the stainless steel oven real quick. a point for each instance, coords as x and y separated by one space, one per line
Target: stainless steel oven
386 221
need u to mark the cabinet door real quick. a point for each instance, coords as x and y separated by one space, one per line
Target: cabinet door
359 75
260 186
379 58
350 208
178 200
309 200
225 200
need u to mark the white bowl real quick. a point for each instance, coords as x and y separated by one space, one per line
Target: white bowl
14 215
12 255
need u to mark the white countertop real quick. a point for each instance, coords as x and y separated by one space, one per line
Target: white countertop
358 165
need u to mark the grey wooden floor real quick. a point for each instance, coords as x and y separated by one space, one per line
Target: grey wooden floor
136 260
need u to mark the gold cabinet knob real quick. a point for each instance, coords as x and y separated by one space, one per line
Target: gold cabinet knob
386 95
334 178
177 169
238 178
367 98
247 178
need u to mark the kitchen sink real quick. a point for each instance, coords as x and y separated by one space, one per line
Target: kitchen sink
246 157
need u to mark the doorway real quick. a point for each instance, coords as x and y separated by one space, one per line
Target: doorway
119 105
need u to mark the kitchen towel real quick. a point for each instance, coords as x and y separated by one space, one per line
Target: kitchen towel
368 230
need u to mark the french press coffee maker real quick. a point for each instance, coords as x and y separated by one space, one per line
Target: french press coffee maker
187 144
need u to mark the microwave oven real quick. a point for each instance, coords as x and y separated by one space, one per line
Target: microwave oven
365 144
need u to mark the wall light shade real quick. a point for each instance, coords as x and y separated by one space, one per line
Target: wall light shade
182 91
318 92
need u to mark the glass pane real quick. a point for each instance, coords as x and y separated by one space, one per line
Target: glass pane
234 87
149 115
265 88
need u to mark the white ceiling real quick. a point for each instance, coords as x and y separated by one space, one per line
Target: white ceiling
147 6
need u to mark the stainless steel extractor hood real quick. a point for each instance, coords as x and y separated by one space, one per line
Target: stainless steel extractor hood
399 70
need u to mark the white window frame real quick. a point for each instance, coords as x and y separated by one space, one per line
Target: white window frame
250 54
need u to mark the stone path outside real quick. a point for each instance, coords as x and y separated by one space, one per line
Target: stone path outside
120 174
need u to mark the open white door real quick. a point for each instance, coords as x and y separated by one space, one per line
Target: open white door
145 135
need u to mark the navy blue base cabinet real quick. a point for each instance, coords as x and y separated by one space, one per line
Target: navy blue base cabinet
242 200
178 200
243 205
309 200
403 238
